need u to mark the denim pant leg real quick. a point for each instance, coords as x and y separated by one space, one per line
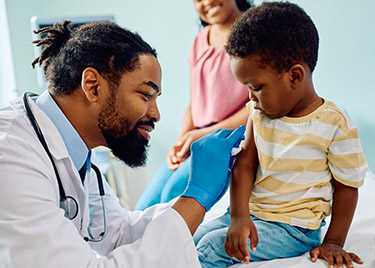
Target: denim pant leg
210 243
217 223
280 240
276 240
177 182
152 194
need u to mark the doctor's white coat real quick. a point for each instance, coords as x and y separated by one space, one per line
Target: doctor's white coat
33 229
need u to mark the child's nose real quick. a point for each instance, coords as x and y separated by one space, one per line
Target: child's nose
252 96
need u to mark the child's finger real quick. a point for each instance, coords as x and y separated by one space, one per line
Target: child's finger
348 261
339 260
244 250
330 260
314 253
355 258
229 247
253 239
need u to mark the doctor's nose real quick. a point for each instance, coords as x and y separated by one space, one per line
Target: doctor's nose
154 113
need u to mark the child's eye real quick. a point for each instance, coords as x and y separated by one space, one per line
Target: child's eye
257 89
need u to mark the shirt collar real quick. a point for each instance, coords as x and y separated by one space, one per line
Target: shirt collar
76 147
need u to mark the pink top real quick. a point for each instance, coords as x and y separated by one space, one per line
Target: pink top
215 92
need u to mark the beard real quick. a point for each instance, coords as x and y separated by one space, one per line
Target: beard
125 143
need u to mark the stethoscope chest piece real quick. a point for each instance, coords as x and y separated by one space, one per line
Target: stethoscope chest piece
70 206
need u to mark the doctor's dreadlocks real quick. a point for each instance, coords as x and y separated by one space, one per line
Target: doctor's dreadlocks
102 45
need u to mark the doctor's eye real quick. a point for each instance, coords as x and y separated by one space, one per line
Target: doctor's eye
147 96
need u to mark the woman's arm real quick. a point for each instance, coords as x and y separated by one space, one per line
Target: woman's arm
174 160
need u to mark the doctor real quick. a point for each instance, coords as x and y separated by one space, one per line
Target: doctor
54 210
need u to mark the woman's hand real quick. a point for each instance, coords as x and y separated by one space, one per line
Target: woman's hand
181 150
173 161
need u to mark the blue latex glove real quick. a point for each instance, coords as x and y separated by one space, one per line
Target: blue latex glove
211 164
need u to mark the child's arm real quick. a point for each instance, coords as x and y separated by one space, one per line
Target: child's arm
242 181
343 207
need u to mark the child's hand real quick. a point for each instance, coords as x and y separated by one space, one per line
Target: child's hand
240 230
334 254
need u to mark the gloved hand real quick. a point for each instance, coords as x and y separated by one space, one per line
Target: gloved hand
211 164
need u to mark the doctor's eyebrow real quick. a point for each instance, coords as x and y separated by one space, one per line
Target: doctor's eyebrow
153 85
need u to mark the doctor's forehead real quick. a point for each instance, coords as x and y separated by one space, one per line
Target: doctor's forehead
148 73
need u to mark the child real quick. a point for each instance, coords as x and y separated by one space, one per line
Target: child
299 149
217 98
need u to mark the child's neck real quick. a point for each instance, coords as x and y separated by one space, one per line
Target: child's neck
307 104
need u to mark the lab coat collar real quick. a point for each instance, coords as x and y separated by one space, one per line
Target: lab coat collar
53 139
76 147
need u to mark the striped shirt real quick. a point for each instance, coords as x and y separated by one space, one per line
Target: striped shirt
298 157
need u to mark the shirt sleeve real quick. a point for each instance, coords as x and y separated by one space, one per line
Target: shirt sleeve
166 242
250 109
345 155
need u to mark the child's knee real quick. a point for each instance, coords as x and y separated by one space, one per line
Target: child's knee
212 242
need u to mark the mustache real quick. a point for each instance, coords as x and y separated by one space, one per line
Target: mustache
146 123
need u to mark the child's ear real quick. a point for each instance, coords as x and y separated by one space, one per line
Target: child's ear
296 75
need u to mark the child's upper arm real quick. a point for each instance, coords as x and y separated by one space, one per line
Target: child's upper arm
345 156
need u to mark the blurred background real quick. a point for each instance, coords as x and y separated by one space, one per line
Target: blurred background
345 72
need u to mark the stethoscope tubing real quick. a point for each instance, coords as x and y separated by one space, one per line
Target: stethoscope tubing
38 132
67 203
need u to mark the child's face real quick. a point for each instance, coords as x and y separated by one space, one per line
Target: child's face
216 11
271 92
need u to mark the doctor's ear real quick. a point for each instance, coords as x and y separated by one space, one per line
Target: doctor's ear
90 83
296 75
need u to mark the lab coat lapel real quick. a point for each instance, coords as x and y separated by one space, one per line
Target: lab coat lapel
68 173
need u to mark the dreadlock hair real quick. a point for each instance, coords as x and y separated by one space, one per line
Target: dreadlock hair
102 45
281 34
242 5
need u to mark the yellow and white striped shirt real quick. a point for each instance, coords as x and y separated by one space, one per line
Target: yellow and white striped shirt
298 157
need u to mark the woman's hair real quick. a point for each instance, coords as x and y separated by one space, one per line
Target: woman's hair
281 34
242 5
102 45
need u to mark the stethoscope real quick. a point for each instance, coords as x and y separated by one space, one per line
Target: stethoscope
67 203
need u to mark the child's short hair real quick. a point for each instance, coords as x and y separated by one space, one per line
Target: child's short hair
280 33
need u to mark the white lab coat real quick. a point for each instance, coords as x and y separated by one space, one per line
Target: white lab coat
33 229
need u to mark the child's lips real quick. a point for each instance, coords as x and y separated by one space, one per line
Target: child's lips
260 110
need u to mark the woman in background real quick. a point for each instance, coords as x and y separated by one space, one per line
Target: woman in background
217 98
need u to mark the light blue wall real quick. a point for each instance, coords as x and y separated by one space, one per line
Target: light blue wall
6 63
345 71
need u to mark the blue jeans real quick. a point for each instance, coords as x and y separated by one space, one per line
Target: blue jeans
276 240
166 185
